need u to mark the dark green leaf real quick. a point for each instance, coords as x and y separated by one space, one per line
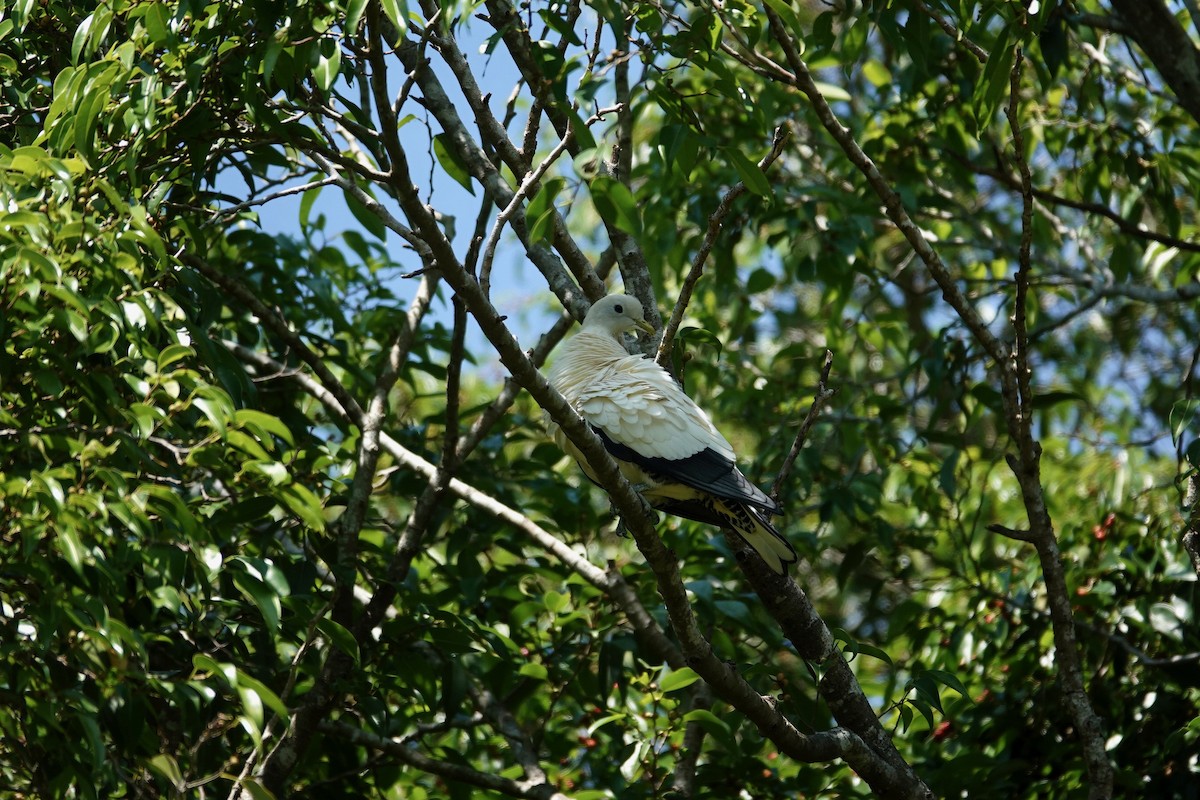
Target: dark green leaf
750 173
448 159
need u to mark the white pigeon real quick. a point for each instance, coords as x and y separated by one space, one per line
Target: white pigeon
663 442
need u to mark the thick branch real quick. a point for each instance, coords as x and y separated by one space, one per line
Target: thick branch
1015 383
726 681
1165 42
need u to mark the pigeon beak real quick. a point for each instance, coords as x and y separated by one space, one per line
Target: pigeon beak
644 326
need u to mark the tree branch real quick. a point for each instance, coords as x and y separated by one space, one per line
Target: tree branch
406 754
611 583
954 33
802 79
561 282
822 396
1164 41
683 778
1017 393
1126 226
727 683
351 522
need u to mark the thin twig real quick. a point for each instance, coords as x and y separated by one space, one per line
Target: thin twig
1143 658
683 778
715 221
230 211
514 205
957 35
822 396
1012 533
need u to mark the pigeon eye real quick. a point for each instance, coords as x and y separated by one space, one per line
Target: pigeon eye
620 309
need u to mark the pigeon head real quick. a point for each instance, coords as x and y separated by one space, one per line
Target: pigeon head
616 314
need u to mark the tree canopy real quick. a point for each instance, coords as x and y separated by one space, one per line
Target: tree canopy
279 516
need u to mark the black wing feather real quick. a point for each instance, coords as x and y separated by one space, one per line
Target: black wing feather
708 471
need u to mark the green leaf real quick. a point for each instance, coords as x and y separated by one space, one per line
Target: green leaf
354 13
268 697
831 92
304 504
172 353
535 671
787 15
157 20
876 73
759 281
367 218
255 789
993 85
145 419
948 474
751 174
340 636
855 648
167 767
1053 43
679 148
448 160
926 711
711 722
70 545
1192 453
81 37
549 60
540 212
306 203
261 595
263 426
1051 399
95 739
583 134
397 13
556 601
1183 415
678 679
329 64
692 335
927 689
616 205
227 672
948 679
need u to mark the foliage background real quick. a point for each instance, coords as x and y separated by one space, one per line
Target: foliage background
272 526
